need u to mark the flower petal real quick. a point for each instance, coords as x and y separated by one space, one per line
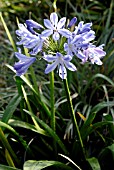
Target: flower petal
100 52
36 49
67 58
72 22
49 58
61 23
51 67
24 63
64 32
56 36
70 66
80 55
54 19
62 72
96 60
31 23
48 24
47 33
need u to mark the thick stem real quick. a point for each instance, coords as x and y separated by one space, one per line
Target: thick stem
52 100
76 128
53 110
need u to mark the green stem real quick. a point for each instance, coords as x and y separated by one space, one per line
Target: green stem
52 109
76 128
52 100
7 146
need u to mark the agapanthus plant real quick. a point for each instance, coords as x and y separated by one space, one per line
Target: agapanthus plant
57 44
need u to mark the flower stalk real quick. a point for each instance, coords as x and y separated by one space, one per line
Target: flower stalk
53 126
76 128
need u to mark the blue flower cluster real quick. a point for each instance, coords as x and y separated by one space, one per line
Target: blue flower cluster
58 43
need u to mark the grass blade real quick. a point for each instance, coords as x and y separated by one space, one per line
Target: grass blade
49 131
8 33
11 108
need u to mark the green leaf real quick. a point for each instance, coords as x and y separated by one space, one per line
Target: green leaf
101 105
106 157
8 33
32 88
97 76
5 125
94 127
94 163
11 108
18 123
49 131
8 158
38 165
87 123
110 148
3 167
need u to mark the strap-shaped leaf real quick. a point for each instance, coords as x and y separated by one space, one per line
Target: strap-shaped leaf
34 165
3 167
11 107
94 163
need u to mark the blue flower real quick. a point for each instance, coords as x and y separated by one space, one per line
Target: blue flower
82 28
61 61
72 22
32 24
94 54
23 64
29 40
55 27
75 44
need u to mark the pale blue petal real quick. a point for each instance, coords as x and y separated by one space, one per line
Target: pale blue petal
62 72
47 33
64 32
51 67
56 36
80 55
31 23
21 56
100 52
32 43
72 22
66 47
23 41
23 64
80 25
48 24
59 55
54 19
86 27
70 66
96 60
67 58
50 58
90 36
77 39
61 23
36 49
